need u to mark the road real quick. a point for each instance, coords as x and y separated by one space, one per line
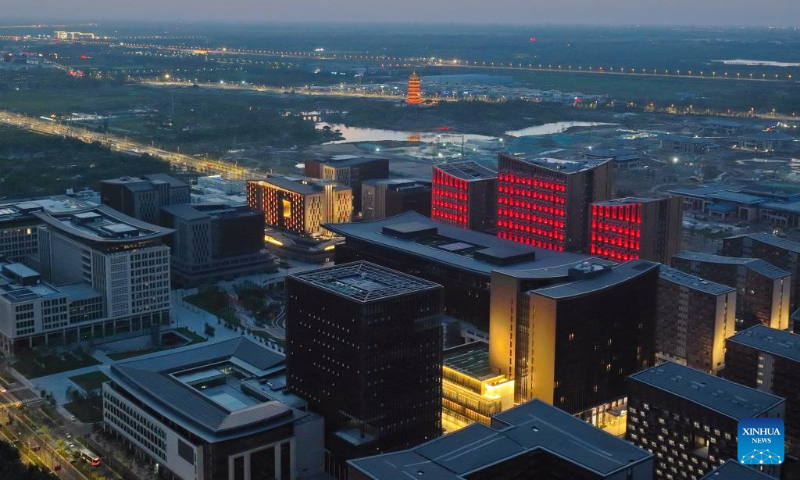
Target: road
124 145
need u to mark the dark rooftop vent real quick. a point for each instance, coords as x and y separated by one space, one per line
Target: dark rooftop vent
409 230
506 255
587 270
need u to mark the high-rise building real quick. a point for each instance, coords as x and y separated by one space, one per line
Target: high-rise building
733 470
781 252
463 261
689 418
215 412
101 274
300 205
762 289
143 197
414 92
546 202
349 170
386 198
769 360
694 318
574 344
632 228
215 242
365 350
464 194
533 441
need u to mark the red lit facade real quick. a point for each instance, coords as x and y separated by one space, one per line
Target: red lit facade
463 194
546 202
632 228
414 94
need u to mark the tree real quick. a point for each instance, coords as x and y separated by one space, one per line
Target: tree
11 466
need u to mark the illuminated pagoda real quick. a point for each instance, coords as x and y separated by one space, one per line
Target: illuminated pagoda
414 95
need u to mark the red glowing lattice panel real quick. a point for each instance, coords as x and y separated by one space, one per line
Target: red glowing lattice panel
531 210
450 199
617 231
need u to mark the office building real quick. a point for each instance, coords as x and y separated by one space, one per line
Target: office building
546 202
300 205
769 360
781 252
689 419
214 412
464 194
215 242
765 141
471 390
365 350
460 260
685 145
574 344
762 289
637 228
694 318
733 470
223 185
349 170
111 273
386 198
143 197
533 441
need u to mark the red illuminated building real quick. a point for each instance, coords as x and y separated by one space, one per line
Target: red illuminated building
464 194
545 202
632 228
414 95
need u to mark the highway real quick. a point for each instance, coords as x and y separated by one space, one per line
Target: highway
120 144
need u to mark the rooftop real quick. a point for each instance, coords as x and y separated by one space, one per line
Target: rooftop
102 224
733 470
347 160
23 210
561 165
690 281
590 278
178 385
793 207
774 240
531 428
773 136
467 171
715 393
146 179
301 185
31 288
415 234
686 139
196 211
364 282
770 340
757 265
471 359
629 200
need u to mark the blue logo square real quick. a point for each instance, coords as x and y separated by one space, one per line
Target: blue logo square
761 441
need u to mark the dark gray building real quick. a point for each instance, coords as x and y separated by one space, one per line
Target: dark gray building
689 419
733 470
142 197
214 242
534 441
387 198
348 170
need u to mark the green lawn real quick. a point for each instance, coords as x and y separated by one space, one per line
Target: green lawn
90 382
37 365
88 410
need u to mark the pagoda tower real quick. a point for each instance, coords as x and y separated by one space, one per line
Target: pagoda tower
414 96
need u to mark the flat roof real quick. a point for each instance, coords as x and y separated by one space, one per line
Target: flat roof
469 171
471 359
348 160
364 282
733 470
684 279
415 234
773 136
560 165
773 240
686 139
793 207
146 181
103 224
715 393
736 197
531 428
629 200
597 279
757 265
23 209
301 185
156 381
770 340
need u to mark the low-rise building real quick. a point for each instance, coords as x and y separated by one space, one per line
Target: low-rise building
733 470
218 411
763 291
534 441
765 141
387 198
686 145
694 318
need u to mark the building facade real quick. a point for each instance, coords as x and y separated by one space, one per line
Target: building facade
143 197
689 419
763 291
215 242
349 170
365 350
386 198
694 318
769 360
637 228
534 441
208 414
546 202
464 194
300 205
